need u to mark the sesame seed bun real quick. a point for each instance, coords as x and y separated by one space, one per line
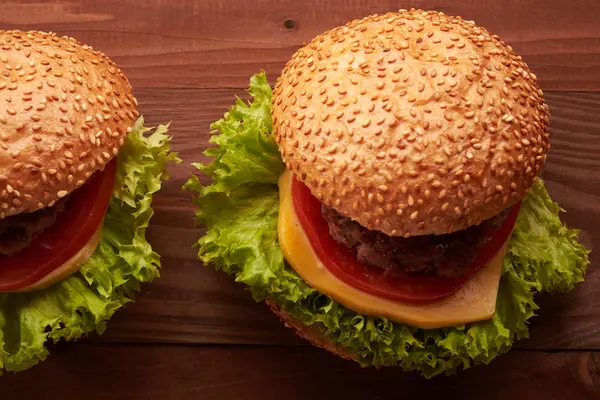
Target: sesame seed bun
411 123
64 112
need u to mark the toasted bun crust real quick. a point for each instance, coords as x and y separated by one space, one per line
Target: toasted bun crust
311 333
412 122
64 111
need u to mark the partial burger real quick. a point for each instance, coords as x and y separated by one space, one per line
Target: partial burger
409 225
62 126
73 155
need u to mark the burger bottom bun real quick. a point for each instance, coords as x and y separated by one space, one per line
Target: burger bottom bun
311 333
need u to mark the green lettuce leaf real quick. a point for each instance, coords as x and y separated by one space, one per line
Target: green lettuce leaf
109 279
240 208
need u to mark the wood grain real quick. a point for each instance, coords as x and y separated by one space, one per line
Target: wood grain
241 372
214 43
195 304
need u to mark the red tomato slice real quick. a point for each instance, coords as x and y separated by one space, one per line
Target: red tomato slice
342 262
72 230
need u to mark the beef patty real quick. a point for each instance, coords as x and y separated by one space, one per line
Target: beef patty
18 231
446 255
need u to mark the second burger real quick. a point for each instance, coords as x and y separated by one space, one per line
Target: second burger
384 199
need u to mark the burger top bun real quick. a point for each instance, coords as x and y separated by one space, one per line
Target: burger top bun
64 111
411 123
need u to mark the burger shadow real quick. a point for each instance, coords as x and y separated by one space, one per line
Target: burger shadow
563 322
567 321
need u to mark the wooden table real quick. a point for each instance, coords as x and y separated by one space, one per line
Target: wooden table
195 333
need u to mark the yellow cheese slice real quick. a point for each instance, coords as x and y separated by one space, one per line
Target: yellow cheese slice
475 301
68 268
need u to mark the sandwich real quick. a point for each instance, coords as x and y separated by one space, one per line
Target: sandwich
78 170
384 198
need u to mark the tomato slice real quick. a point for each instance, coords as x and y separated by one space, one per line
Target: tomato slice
73 229
342 262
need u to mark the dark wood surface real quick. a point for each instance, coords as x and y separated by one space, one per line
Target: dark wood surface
195 333
223 372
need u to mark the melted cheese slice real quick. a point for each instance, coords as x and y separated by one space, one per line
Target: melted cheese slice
475 301
68 268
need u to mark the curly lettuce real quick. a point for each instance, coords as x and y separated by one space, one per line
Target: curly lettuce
85 301
239 210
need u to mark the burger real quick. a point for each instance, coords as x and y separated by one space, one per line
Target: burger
77 173
385 200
